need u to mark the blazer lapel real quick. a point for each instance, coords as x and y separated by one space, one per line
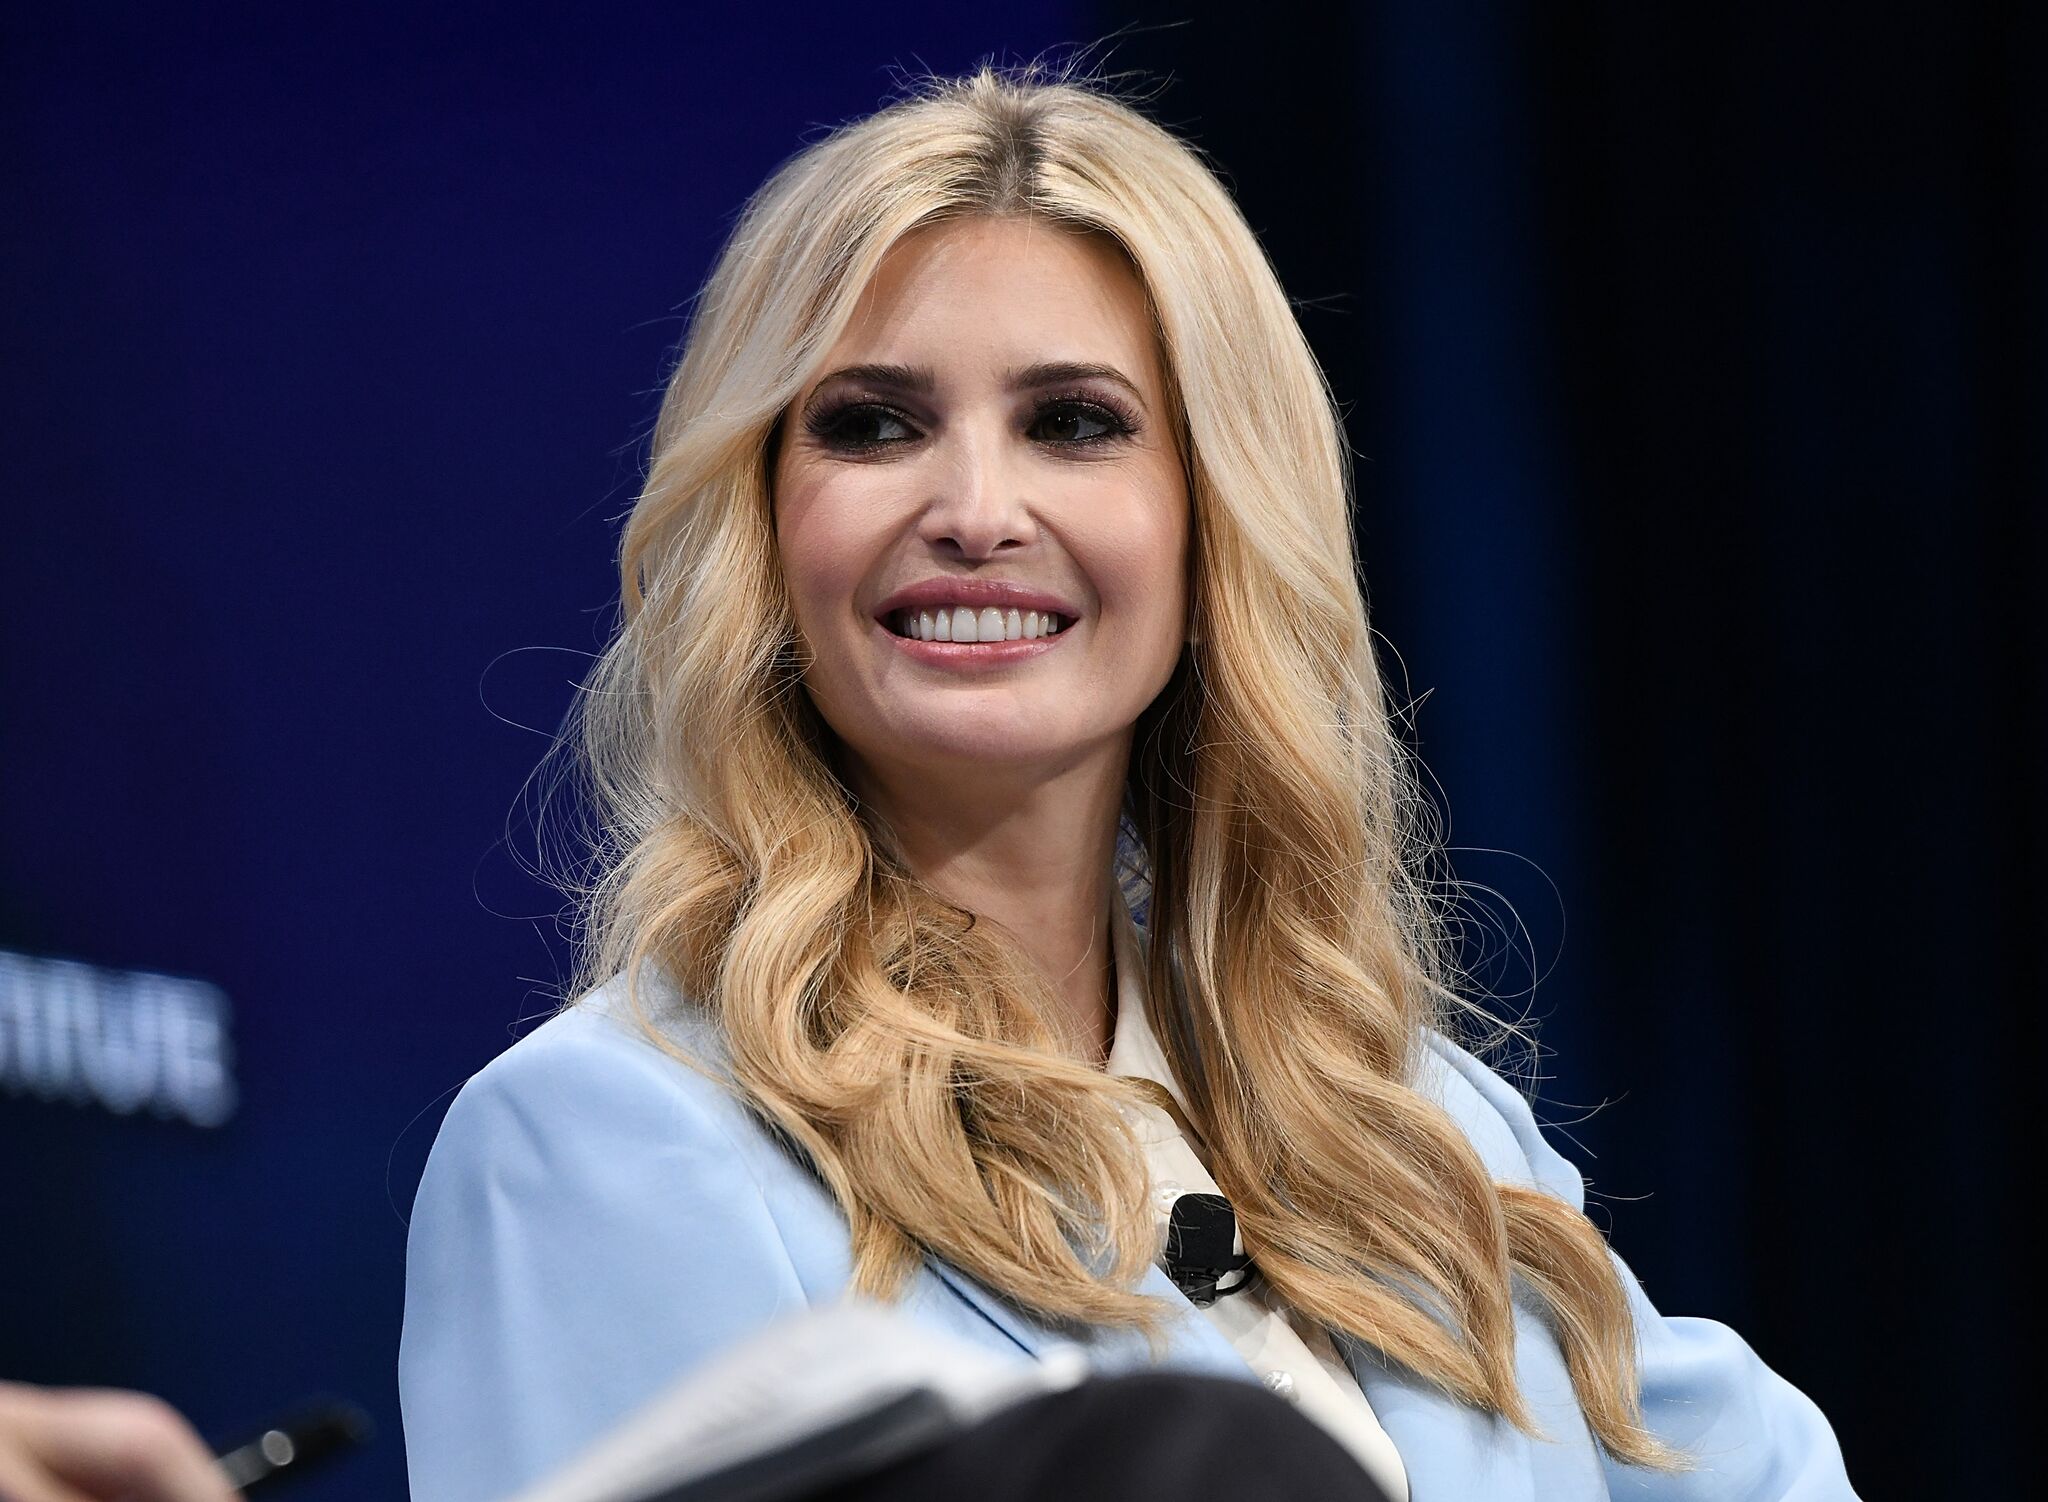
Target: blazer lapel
998 1313
1195 1344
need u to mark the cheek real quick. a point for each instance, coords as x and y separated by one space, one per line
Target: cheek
818 549
1143 566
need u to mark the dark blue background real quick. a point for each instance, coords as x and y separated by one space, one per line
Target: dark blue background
1696 370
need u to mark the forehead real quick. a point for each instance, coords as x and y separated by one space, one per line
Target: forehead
1014 289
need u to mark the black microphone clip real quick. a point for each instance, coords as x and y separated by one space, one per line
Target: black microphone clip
1202 1249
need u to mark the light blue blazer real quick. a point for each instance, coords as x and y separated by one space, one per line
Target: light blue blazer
596 1219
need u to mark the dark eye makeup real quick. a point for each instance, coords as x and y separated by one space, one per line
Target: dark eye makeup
855 424
865 424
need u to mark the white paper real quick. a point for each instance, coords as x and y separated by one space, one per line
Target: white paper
797 1377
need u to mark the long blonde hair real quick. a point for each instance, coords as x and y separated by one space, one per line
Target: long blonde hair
1293 950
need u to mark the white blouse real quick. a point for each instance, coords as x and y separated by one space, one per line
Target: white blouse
1292 1354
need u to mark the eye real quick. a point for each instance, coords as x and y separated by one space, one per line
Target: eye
859 425
1071 422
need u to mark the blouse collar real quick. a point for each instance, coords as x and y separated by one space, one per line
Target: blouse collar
1134 1051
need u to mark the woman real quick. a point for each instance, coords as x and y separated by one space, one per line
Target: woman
878 998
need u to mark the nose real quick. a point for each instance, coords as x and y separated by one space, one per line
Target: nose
978 506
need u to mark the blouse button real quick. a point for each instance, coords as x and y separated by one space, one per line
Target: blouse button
1165 1195
1281 1384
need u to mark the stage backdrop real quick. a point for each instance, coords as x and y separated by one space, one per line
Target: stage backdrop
1694 372
334 341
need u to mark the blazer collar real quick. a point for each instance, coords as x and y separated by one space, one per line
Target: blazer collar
1193 1341
1029 1335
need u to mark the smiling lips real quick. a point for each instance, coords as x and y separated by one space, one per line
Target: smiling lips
962 624
973 611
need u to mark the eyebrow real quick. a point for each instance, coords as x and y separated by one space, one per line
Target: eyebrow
1065 372
917 379
920 381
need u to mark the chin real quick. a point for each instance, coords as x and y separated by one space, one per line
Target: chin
944 747
982 749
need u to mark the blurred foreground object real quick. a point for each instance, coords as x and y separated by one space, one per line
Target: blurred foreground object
812 1400
60 1444
302 1440
855 1403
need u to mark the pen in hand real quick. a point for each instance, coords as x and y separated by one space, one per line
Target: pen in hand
294 1444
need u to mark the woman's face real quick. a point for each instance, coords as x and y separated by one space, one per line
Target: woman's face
993 415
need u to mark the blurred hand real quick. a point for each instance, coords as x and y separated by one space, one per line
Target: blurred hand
85 1444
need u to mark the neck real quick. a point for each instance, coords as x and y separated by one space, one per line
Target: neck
1036 858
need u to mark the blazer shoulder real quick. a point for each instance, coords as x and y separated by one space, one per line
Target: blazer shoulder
595 1052
1496 1117
597 1215
590 1084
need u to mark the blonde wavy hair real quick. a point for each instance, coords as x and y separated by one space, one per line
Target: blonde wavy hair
1293 951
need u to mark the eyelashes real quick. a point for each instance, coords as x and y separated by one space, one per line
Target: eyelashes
849 425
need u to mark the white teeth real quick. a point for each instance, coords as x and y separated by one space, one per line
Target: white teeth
962 624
